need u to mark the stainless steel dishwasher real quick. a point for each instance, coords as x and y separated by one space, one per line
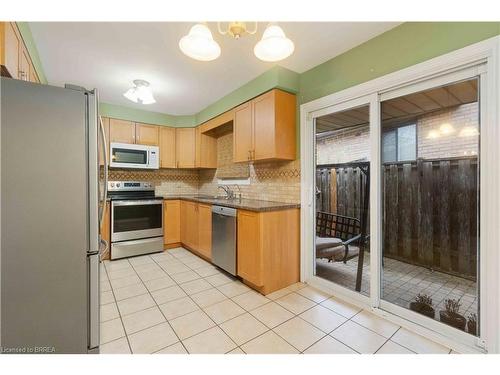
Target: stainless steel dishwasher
224 238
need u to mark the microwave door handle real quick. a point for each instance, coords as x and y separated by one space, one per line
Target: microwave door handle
105 191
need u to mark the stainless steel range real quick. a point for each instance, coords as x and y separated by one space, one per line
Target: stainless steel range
136 219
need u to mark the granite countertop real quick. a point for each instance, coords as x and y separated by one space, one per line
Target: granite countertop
244 204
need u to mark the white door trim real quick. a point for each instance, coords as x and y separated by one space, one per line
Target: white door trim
461 62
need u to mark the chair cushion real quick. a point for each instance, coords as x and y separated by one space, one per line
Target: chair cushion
327 242
337 253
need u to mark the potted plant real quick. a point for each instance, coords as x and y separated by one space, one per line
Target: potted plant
450 315
472 324
423 305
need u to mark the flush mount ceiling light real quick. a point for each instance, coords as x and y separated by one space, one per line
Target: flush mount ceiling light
200 45
140 93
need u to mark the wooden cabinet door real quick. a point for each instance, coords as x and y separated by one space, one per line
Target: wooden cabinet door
242 133
24 64
147 134
171 221
185 147
205 230
106 229
105 123
11 49
189 224
264 127
167 147
250 257
33 75
121 131
206 150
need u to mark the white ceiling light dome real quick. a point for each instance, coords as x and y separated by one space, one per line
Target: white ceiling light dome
274 45
140 93
199 44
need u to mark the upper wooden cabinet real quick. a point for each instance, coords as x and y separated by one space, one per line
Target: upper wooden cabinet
147 134
185 139
264 128
121 131
206 150
167 147
15 60
105 123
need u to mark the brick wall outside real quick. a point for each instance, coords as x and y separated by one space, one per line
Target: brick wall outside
354 144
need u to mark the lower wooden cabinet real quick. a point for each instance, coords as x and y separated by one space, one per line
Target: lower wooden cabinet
171 222
196 227
205 230
269 248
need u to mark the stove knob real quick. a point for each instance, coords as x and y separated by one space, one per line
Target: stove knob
112 184
117 184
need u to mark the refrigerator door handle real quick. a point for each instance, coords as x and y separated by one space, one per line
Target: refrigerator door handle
105 190
94 302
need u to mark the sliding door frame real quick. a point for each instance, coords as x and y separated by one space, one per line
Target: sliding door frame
480 59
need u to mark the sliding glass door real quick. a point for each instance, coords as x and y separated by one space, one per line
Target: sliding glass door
342 198
430 189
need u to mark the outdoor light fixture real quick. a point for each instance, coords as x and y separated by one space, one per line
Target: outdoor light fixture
140 93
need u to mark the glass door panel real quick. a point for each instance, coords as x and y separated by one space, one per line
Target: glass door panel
430 203
342 149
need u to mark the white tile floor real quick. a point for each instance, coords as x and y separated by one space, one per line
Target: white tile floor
175 302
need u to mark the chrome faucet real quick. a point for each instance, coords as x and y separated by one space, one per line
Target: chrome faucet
227 190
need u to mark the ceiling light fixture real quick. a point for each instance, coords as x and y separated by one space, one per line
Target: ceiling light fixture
274 45
200 45
140 93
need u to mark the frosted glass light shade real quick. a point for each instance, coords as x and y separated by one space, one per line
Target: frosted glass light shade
199 44
274 45
140 93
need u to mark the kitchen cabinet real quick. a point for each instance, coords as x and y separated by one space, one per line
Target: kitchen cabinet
147 134
185 147
121 131
106 229
172 222
205 230
167 147
242 133
206 150
15 60
189 224
269 248
105 123
249 247
264 128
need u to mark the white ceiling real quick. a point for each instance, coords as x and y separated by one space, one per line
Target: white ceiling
110 56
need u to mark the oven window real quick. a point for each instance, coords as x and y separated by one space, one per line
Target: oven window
123 155
140 217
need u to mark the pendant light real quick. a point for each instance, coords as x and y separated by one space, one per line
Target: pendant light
274 45
199 44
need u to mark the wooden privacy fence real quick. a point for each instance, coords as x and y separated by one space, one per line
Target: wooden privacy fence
430 209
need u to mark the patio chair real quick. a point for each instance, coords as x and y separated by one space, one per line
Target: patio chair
337 237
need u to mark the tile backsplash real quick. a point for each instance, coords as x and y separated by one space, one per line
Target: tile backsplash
270 181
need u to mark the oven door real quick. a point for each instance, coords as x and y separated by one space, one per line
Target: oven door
135 219
123 155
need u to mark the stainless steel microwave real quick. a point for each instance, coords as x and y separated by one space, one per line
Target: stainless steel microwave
125 155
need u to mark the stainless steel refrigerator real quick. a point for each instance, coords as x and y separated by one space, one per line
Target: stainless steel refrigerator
50 219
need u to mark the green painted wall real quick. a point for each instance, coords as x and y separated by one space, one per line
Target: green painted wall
398 48
25 31
276 77
138 115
